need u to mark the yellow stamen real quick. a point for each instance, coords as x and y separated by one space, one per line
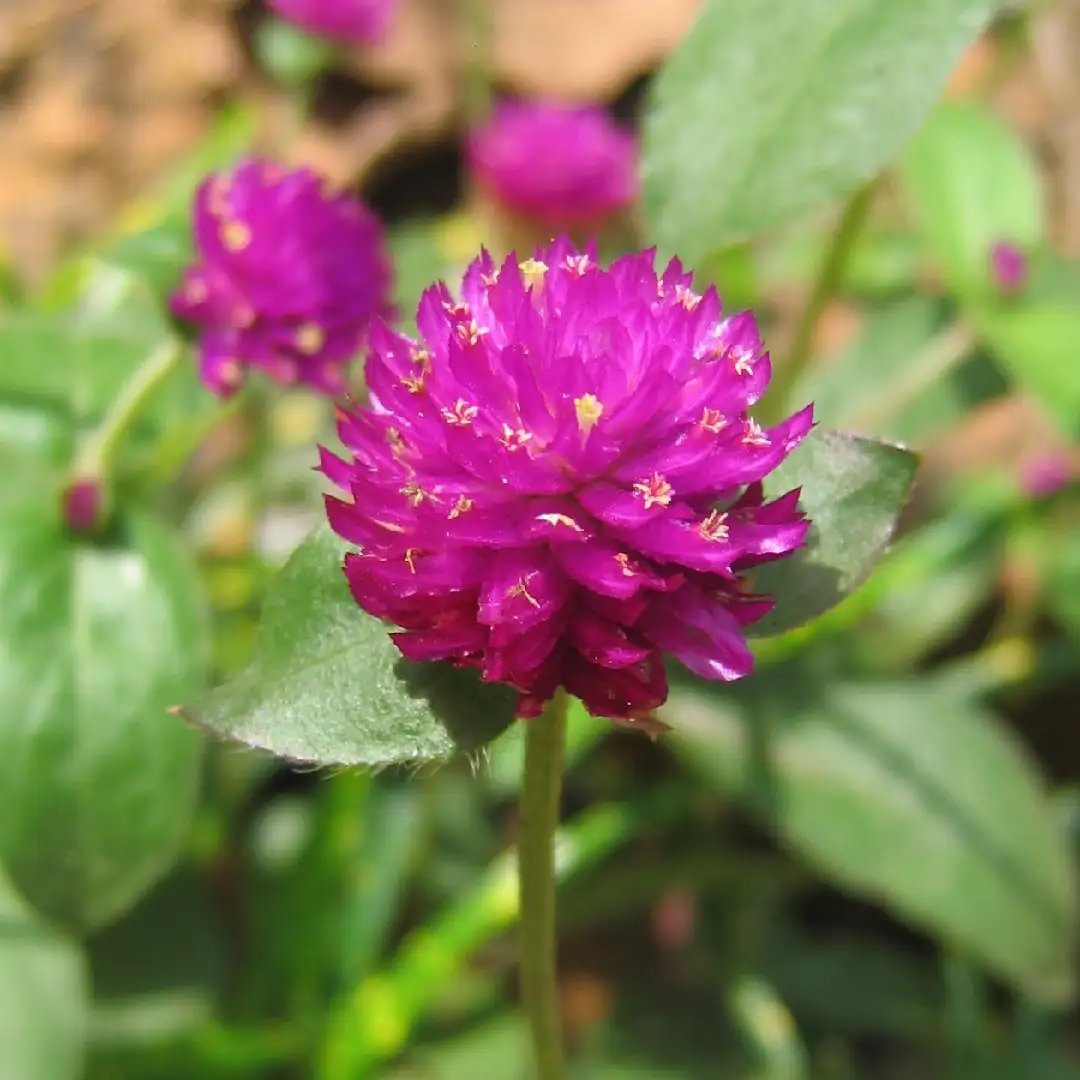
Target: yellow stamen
235 235
589 409
462 506
713 528
310 338
713 420
532 273
655 491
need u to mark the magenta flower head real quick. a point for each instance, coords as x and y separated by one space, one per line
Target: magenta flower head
348 21
288 278
1008 265
559 482
558 165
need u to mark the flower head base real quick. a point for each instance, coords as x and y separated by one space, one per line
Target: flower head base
288 280
560 165
572 487
359 21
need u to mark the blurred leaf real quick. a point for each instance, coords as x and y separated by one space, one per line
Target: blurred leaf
43 997
233 134
899 378
769 1029
932 585
372 1023
853 489
35 431
420 259
888 340
972 182
761 116
498 1048
1038 345
328 686
157 254
96 642
1064 573
852 983
906 793
291 57
170 942
78 350
53 358
386 856
884 262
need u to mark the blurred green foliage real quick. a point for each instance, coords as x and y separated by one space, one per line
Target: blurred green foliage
859 863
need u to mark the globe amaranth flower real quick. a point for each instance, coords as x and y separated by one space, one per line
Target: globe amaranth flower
560 165
559 482
348 21
288 278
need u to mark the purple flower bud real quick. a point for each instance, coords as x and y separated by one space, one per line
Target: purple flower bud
559 481
559 165
349 21
82 506
289 278
1009 266
1044 476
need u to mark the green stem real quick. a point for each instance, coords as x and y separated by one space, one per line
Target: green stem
477 17
96 457
826 285
539 817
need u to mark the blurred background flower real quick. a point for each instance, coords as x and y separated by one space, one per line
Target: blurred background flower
348 21
289 278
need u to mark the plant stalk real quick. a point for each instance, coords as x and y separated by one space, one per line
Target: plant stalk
96 457
541 789
826 284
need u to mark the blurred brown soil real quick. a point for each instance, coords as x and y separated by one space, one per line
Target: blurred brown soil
100 98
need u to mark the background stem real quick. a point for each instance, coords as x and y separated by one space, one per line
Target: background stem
97 455
539 817
826 284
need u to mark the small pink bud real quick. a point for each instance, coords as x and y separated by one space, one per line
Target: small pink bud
82 506
1010 267
1044 476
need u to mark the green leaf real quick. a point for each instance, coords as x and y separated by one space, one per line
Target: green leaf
972 182
1038 343
43 996
157 254
328 686
906 793
853 489
765 112
78 357
96 643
